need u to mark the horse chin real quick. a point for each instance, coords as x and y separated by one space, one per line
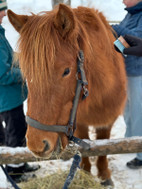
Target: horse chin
43 155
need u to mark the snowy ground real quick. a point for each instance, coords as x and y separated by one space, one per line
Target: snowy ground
123 177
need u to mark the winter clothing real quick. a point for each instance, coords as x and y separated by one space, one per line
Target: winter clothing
17 172
2 134
132 25
12 90
15 126
3 5
134 164
135 46
133 109
12 94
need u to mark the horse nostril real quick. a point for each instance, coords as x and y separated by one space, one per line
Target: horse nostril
46 148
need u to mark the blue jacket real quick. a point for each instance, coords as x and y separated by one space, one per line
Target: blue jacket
132 25
12 90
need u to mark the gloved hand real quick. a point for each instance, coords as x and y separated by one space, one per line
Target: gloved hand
135 45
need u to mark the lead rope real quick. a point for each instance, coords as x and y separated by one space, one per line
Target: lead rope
9 178
73 169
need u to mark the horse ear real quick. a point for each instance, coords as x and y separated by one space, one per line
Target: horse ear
17 20
64 20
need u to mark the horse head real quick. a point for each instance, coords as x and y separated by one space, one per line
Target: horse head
48 50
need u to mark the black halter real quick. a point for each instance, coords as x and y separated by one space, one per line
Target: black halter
69 129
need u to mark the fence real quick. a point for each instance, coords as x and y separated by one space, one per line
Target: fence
97 148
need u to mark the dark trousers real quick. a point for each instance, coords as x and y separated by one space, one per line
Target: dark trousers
2 134
15 128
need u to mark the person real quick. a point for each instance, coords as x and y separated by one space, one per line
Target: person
135 45
132 25
13 92
2 135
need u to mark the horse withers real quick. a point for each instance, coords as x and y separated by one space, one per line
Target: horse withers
48 52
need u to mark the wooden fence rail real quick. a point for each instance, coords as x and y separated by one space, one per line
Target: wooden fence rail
114 21
97 148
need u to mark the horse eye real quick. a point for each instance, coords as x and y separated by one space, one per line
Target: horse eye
66 72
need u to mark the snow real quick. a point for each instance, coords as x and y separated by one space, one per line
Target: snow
21 150
123 177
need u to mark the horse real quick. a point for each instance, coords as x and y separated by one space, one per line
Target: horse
49 47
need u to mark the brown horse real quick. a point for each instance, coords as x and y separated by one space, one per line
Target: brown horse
48 49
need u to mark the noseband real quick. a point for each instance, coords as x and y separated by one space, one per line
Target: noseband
70 128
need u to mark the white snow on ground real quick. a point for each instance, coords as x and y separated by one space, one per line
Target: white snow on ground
123 177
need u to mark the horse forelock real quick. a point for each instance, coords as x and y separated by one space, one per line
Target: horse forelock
40 41
38 44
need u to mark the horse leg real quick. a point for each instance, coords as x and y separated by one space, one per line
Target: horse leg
82 132
102 162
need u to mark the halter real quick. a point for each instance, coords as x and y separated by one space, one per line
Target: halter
70 128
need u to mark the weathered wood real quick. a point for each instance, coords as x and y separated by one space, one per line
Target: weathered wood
56 2
97 148
114 21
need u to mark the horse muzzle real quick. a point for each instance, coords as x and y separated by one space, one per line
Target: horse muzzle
47 151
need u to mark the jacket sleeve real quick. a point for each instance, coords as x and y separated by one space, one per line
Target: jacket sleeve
121 30
8 73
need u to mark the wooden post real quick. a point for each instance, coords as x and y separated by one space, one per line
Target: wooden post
56 2
97 148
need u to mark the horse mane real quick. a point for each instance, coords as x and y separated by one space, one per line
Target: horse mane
40 41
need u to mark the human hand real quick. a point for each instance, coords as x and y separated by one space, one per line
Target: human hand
135 46
120 44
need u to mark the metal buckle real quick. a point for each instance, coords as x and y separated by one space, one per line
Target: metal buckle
69 131
85 91
80 56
